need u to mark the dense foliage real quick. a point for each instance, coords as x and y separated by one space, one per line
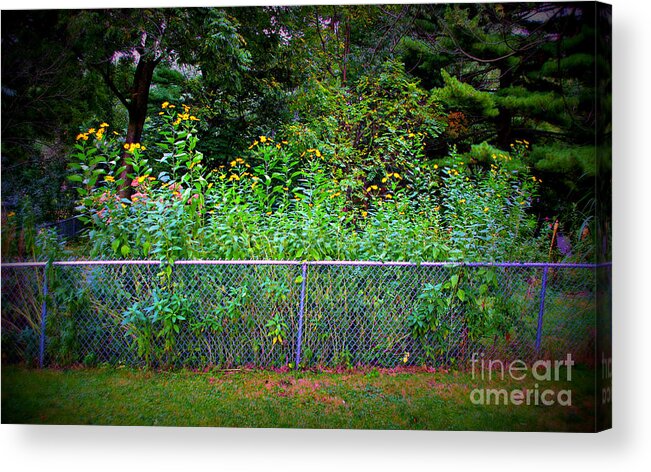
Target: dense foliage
389 132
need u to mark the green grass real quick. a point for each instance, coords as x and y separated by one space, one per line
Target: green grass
266 399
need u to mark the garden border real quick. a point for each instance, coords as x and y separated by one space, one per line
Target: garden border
304 265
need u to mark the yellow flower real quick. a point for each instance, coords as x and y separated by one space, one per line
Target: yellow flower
11 214
486 210
525 142
397 176
436 166
165 104
123 205
161 112
317 153
141 179
463 200
126 146
389 196
104 125
268 213
83 136
364 214
234 177
109 178
263 139
91 130
384 180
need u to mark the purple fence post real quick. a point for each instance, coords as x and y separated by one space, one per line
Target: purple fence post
301 309
41 344
541 312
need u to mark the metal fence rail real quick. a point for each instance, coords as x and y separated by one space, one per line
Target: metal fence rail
275 313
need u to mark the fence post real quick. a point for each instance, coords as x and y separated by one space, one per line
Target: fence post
541 312
301 309
41 344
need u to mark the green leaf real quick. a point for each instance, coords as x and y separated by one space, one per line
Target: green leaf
454 280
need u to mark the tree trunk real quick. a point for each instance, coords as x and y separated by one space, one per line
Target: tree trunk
503 122
137 114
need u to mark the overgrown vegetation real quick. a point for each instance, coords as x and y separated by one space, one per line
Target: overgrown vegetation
383 133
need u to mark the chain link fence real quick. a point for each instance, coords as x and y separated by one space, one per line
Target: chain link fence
279 313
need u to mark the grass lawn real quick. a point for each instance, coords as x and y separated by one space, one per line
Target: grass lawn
372 399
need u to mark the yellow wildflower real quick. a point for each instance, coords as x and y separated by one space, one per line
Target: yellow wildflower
104 125
234 177
436 166
109 178
364 214
263 139
486 210
165 104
